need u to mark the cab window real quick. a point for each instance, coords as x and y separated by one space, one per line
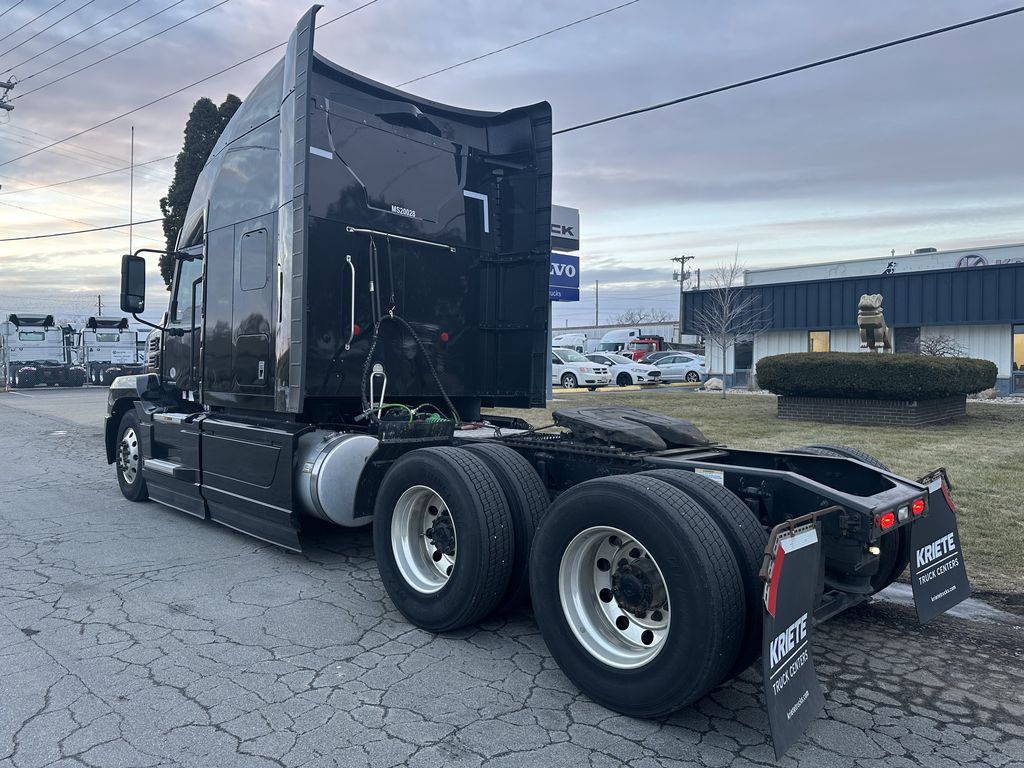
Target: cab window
31 336
101 336
187 274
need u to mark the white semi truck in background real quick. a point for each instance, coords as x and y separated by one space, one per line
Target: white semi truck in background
35 350
108 348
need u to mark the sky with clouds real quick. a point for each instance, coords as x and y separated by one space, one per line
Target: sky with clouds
914 146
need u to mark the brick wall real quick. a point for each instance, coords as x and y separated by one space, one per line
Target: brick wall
909 413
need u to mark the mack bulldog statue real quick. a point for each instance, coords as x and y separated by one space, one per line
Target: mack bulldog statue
874 333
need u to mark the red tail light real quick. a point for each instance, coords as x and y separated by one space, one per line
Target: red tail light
444 336
355 330
917 507
887 521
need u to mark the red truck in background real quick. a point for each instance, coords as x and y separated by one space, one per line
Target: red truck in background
638 349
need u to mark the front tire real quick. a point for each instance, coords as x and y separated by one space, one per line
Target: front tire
569 381
637 594
443 538
129 461
624 379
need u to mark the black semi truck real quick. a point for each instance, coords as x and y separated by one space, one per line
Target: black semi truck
360 272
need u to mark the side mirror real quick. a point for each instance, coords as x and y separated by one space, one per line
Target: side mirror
133 284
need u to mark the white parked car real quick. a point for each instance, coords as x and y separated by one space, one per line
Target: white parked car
571 369
682 367
625 371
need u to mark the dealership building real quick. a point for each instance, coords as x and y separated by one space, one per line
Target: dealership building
972 297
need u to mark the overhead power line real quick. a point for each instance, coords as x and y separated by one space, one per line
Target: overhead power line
104 40
11 8
82 152
77 231
136 44
48 28
179 90
61 42
33 19
516 45
84 178
65 218
791 70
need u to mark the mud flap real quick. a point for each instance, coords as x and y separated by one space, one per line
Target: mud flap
792 694
937 573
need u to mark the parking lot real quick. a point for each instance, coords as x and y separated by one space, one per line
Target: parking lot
134 635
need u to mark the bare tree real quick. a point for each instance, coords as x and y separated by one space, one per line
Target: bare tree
942 346
637 316
727 312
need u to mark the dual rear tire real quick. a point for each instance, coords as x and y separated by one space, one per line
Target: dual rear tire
644 586
645 589
452 533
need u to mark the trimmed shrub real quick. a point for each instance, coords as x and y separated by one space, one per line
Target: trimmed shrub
873 376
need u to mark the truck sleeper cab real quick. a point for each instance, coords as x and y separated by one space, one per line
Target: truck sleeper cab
359 273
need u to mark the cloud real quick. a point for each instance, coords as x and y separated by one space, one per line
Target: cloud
908 147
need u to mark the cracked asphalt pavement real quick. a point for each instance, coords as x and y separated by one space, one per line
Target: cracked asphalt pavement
134 635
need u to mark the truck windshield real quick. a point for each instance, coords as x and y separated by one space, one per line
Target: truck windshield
31 336
645 346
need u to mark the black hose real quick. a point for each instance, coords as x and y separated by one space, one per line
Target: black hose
364 389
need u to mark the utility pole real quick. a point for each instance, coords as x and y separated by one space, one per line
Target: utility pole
682 275
597 302
6 87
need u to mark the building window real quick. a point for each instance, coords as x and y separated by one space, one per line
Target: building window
819 341
907 340
1018 349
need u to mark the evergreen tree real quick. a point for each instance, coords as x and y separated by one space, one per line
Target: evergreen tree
205 124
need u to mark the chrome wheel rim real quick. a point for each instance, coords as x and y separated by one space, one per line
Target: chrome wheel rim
693 376
614 597
128 456
423 539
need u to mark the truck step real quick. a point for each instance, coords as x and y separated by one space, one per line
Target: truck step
171 469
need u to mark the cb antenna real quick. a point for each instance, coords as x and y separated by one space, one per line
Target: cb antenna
131 192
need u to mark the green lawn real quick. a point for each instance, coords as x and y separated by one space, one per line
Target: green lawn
984 454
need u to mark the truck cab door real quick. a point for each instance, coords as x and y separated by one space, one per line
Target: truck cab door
180 363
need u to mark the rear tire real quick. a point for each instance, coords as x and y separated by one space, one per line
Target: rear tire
692 376
895 555
569 381
528 501
129 459
443 538
666 556
747 538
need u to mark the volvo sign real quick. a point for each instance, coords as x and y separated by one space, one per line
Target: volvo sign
564 279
